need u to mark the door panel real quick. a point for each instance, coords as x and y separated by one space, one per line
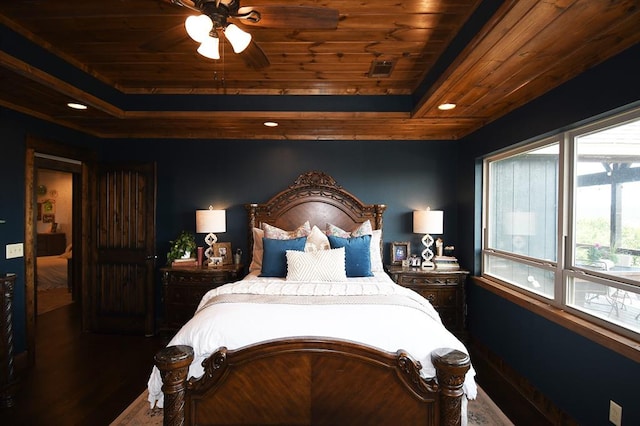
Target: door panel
123 249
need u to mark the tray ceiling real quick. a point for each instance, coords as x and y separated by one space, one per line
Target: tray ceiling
133 65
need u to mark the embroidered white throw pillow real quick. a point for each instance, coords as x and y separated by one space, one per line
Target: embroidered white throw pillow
321 265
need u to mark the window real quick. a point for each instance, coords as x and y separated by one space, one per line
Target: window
561 220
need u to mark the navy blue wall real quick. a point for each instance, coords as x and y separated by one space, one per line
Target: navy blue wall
548 355
192 174
12 211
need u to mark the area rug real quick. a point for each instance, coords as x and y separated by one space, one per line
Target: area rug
481 411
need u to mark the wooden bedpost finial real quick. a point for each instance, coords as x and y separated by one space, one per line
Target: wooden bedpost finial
173 363
451 367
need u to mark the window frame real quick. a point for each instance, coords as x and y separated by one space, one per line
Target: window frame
564 268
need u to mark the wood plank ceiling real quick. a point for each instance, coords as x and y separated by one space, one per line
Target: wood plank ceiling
133 65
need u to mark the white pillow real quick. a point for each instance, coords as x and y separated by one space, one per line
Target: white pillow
317 240
258 250
321 265
376 256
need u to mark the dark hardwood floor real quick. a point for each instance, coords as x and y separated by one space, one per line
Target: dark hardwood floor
89 379
515 406
79 378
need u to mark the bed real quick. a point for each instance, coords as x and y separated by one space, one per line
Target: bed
52 271
322 344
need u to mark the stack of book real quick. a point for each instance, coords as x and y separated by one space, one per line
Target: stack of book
190 262
446 263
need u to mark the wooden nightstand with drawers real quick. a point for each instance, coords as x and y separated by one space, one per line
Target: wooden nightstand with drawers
444 289
182 289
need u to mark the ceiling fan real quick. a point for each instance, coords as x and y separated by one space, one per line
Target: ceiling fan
214 19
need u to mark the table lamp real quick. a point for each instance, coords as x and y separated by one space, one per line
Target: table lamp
427 222
208 222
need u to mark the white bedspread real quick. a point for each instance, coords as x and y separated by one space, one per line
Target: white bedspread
413 325
51 272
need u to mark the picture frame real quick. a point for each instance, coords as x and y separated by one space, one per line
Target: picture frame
215 262
48 218
400 251
223 250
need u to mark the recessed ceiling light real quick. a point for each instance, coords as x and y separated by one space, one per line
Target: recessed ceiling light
270 124
76 105
446 107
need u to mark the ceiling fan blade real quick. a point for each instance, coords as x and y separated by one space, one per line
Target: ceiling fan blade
254 56
282 16
166 39
189 4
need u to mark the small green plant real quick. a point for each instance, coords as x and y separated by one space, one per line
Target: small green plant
185 243
594 253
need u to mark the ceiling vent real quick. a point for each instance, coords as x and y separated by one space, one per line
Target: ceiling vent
381 69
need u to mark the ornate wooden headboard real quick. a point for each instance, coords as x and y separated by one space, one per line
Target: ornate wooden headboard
316 197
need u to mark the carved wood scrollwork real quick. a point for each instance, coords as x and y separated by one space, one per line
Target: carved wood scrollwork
214 366
6 353
315 178
411 369
316 188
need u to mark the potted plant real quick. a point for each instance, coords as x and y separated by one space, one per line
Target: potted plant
182 247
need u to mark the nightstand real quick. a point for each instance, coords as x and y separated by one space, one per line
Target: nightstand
183 288
444 289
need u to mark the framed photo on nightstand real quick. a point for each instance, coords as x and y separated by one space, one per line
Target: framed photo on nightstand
223 250
400 251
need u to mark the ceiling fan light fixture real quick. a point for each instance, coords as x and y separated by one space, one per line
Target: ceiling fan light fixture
238 38
209 48
198 27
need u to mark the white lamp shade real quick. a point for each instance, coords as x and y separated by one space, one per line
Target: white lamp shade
239 39
428 221
198 27
209 48
211 221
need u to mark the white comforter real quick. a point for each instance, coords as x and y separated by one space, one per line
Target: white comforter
294 311
51 272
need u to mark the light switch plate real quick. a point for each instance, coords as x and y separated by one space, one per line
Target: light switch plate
15 250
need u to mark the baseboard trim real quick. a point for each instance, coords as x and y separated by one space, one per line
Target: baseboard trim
512 380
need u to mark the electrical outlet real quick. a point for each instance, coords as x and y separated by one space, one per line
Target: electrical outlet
615 413
15 250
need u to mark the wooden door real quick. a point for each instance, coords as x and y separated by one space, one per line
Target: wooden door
122 249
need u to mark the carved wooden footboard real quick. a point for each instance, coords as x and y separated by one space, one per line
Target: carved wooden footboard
305 381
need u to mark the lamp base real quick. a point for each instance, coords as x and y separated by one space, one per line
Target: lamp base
427 264
210 239
427 253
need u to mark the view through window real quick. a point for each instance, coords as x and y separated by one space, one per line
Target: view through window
579 249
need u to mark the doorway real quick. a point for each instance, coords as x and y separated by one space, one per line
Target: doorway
54 236
42 154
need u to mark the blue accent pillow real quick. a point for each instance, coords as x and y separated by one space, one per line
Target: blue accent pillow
357 254
274 257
